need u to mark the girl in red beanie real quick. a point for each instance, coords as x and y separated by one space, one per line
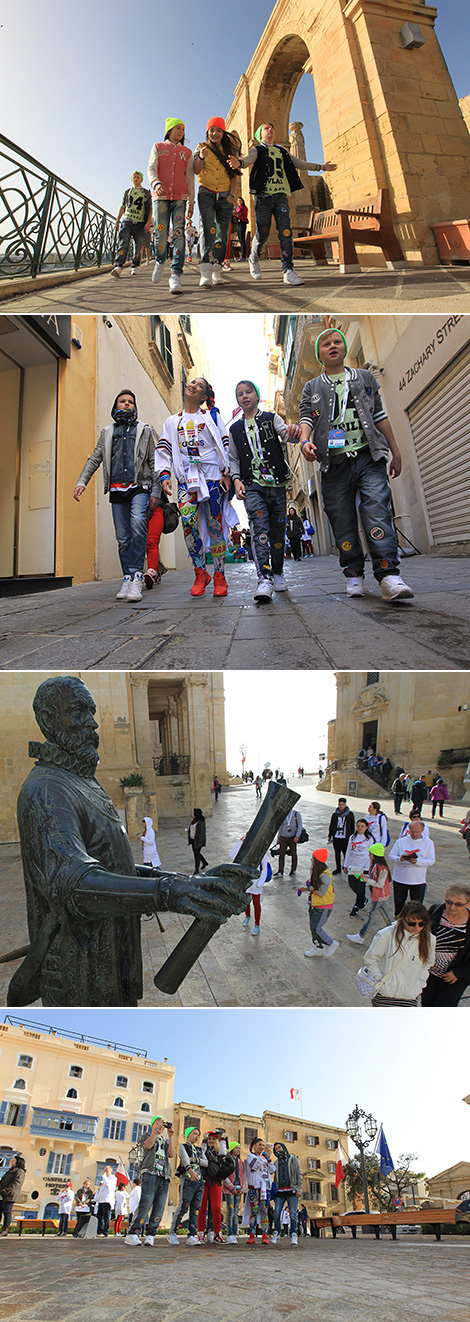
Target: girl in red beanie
215 196
321 898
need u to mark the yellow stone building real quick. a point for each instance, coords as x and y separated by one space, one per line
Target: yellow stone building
450 1185
419 720
422 364
59 379
71 1105
168 726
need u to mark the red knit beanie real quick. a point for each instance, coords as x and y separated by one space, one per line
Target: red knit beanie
216 123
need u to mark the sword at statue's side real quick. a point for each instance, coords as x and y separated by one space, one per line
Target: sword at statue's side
278 802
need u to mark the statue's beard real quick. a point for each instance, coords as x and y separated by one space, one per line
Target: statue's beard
74 753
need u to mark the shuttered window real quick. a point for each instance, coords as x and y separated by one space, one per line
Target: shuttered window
440 423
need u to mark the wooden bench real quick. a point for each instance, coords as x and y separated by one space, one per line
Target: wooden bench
408 1216
319 1223
369 222
28 1223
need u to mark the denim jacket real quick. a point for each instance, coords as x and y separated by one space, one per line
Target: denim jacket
317 403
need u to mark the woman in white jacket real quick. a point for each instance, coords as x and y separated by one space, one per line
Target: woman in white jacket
106 1200
400 957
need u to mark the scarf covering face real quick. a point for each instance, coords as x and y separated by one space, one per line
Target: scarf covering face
282 1158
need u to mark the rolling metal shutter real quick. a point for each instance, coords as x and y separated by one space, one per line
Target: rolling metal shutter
440 423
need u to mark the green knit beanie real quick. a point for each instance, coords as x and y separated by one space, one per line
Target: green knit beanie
328 332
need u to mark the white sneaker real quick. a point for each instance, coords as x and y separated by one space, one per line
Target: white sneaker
293 1239
359 940
174 283
134 270
279 583
210 1236
330 950
275 1237
232 1239
246 922
149 1239
292 278
254 266
216 275
192 1239
124 589
255 930
393 588
135 590
132 1239
116 271
264 591
157 272
355 587
315 950
206 275
172 1239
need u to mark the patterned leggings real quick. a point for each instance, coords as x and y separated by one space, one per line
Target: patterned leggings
188 504
258 1210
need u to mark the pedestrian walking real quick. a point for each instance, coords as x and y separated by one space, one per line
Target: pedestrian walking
308 533
418 793
340 829
449 975
65 1199
377 823
197 839
398 791
216 195
321 898
259 787
216 786
439 795
289 1184
149 845
400 957
136 208
412 855
288 838
345 427
380 881
171 178
294 527
11 1185
240 214
126 449
257 449
357 863
121 1209
106 1200
255 893
196 447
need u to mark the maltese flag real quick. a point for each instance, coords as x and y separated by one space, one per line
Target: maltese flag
339 1173
295 1094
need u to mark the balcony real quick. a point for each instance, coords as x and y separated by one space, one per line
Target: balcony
173 764
54 1124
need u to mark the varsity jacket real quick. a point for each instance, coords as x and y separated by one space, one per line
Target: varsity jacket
272 431
316 407
144 459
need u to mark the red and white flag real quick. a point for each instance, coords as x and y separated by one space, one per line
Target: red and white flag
121 1175
339 1173
295 1094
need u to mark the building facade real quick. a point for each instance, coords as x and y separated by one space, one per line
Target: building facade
422 364
450 1185
59 380
168 726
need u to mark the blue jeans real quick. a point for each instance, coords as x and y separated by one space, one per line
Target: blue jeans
376 904
267 206
128 230
189 1199
165 211
279 1202
152 1203
233 1202
266 510
130 526
215 210
369 481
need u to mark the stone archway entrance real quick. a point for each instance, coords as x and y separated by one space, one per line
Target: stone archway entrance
389 115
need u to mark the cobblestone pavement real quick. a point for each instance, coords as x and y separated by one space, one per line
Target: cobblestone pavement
325 1280
312 626
438 289
270 969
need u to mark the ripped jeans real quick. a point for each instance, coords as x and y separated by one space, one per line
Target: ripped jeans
267 206
165 211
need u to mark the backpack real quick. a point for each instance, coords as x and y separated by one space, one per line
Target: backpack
382 814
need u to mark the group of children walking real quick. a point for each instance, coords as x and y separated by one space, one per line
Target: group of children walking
216 163
343 425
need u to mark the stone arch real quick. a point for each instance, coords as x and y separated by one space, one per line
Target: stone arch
389 115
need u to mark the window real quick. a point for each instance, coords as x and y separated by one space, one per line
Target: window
162 337
72 1092
250 1134
372 677
331 1167
12 1114
25 1062
183 381
147 1086
19 1083
59 1163
139 1132
66 1122
312 1140
115 1129
331 1144
334 1195
290 1135
121 1081
185 323
145 1107
314 1191
194 1121
118 1101
314 1164
75 1072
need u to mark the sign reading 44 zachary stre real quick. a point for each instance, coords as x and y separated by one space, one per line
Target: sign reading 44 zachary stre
432 347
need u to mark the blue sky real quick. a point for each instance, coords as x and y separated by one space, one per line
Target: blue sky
409 1069
86 88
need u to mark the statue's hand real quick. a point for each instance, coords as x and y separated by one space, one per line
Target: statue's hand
217 895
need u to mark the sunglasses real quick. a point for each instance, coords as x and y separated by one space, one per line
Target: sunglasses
412 922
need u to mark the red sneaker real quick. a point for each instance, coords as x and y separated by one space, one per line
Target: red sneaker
200 582
265 1238
220 585
251 1239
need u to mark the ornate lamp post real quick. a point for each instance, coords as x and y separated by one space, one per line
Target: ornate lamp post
354 1131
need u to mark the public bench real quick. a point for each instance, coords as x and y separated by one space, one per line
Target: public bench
318 1223
408 1216
29 1223
369 222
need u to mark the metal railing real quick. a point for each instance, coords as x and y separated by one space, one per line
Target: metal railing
175 764
46 225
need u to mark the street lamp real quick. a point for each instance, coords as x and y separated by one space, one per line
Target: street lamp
354 1131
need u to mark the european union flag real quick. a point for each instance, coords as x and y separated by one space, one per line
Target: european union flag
382 1151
